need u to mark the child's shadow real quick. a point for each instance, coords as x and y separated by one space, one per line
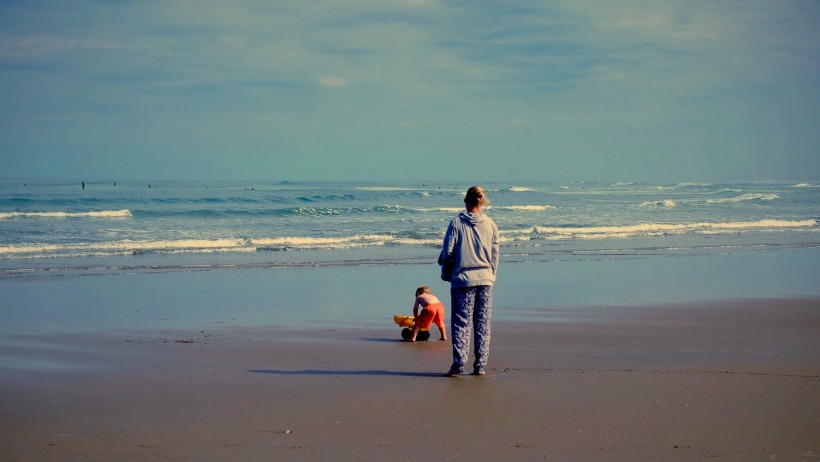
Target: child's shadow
385 340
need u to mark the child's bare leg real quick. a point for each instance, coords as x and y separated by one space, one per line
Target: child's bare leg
443 333
415 333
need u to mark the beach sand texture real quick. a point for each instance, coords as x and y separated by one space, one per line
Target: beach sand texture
701 381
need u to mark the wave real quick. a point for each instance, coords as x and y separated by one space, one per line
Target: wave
440 209
515 208
221 245
659 229
666 203
345 242
303 210
101 214
524 208
691 185
682 187
123 247
744 198
429 239
805 185
308 210
322 211
518 189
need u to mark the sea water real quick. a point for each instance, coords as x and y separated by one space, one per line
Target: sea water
331 246
49 225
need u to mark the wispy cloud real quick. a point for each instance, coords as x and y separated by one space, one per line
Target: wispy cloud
431 66
457 49
333 81
42 46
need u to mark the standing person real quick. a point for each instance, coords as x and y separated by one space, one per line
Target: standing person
471 249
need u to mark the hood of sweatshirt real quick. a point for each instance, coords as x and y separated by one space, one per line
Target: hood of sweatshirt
472 218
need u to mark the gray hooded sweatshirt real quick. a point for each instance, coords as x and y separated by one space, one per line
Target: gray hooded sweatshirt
472 242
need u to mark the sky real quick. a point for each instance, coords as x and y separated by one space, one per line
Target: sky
417 90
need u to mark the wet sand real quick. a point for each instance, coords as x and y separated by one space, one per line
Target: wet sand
735 380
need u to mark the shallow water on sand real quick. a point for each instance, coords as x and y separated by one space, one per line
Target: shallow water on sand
369 295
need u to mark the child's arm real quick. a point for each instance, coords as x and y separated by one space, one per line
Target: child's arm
416 308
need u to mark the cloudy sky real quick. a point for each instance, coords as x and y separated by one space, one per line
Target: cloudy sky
410 90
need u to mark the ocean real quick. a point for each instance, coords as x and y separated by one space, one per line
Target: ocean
48 226
571 243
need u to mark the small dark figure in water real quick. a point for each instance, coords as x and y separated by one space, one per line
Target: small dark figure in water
83 183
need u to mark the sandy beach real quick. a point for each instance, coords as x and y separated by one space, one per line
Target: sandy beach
732 380
210 214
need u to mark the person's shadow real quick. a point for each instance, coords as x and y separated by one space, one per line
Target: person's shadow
375 372
318 372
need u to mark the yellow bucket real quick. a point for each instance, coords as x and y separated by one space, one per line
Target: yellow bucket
404 321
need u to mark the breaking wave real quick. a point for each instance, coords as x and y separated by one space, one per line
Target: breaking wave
525 208
102 214
667 203
224 245
744 198
245 244
659 229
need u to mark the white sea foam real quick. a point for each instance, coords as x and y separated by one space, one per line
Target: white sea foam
691 185
129 247
805 185
101 214
525 208
744 198
666 203
240 245
517 208
519 189
442 209
679 186
322 242
659 229
123 247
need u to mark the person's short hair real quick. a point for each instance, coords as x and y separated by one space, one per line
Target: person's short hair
476 197
422 290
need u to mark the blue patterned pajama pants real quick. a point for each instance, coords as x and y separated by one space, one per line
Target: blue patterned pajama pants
471 311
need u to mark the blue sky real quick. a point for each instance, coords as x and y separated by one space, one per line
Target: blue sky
410 90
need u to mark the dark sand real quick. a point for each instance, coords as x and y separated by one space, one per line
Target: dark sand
711 381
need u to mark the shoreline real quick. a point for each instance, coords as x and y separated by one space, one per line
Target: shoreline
369 296
732 380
